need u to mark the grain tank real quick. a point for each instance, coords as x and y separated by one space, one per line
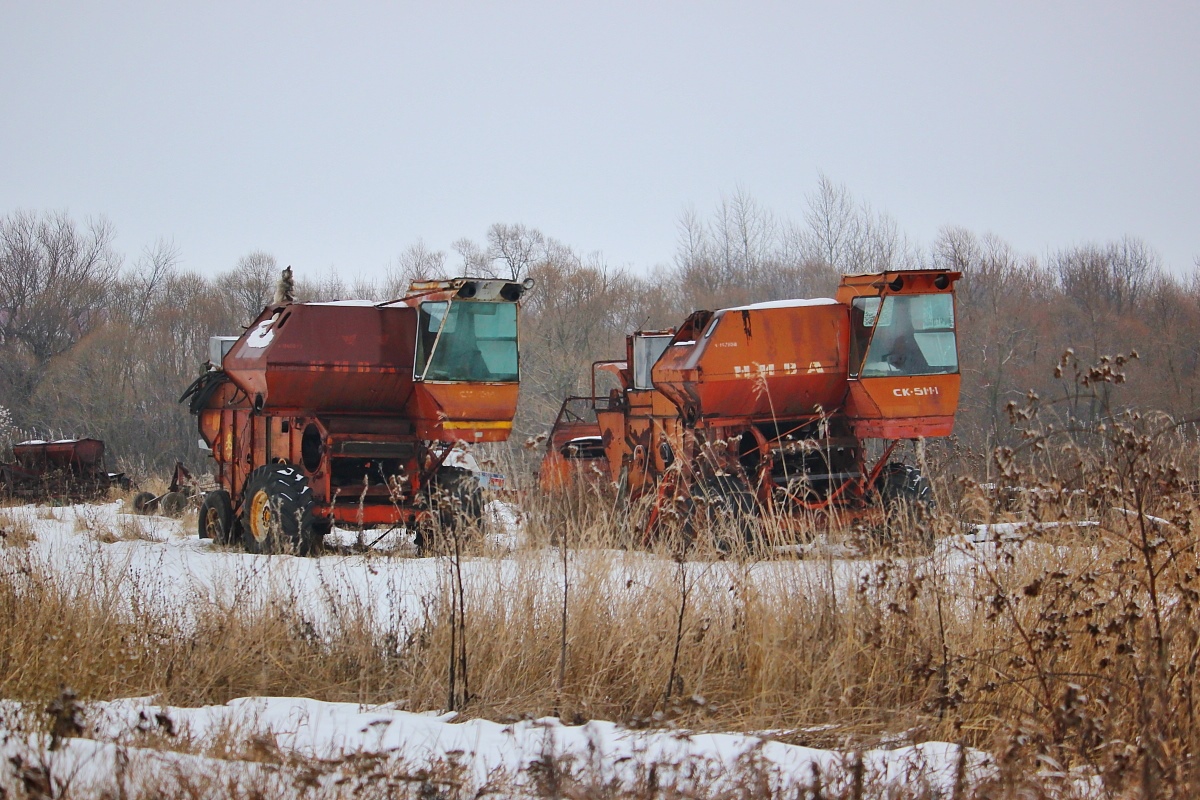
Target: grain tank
347 412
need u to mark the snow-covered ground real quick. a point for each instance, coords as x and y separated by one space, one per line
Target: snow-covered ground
286 746
322 746
162 560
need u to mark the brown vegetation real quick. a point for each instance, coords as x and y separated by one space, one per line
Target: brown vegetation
1064 648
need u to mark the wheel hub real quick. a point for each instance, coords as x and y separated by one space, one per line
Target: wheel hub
260 516
212 524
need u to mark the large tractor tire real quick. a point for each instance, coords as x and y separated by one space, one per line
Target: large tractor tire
145 503
216 517
720 511
456 502
173 504
277 512
907 499
731 513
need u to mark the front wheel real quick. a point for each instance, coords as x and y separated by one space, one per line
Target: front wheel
732 513
277 512
216 517
173 504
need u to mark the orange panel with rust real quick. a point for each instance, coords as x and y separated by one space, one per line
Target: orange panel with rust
904 396
779 359
903 407
470 412
39 455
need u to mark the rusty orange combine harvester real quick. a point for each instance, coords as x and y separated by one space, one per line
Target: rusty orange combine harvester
346 412
773 407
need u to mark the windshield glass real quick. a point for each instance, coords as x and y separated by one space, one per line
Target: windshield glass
646 350
467 341
903 335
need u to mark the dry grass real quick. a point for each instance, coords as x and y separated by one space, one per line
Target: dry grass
16 529
108 528
1058 647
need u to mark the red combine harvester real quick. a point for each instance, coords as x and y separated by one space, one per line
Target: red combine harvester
346 412
69 468
770 407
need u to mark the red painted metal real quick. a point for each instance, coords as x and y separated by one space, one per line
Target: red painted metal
72 468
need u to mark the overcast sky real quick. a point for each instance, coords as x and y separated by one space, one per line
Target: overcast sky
335 135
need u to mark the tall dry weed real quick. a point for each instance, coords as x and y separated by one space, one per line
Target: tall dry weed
16 528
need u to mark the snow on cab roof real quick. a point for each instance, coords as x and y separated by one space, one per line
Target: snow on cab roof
359 303
816 301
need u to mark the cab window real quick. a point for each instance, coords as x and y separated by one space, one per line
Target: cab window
901 335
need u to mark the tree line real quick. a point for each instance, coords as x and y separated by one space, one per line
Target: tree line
94 343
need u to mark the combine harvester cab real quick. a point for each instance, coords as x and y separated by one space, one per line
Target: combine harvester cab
347 412
769 406
904 378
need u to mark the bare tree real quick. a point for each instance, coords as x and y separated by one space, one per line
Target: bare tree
833 224
145 283
1113 276
55 281
516 247
853 238
476 261
416 263
743 255
251 284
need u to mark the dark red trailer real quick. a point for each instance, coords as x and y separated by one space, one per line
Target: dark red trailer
68 468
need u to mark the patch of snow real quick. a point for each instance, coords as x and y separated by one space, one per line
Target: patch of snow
799 303
263 334
1148 517
351 303
1009 531
461 458
330 735
504 524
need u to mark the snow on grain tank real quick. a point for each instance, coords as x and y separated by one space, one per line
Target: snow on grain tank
768 407
345 412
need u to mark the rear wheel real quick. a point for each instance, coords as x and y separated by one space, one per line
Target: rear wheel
173 504
730 513
277 512
456 502
907 499
216 517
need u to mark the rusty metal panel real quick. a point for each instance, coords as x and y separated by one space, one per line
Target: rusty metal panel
85 454
904 407
770 359
332 357
471 412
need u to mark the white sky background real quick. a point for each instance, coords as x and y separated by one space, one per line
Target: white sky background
335 135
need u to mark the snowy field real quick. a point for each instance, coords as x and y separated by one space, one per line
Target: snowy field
287 746
324 746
